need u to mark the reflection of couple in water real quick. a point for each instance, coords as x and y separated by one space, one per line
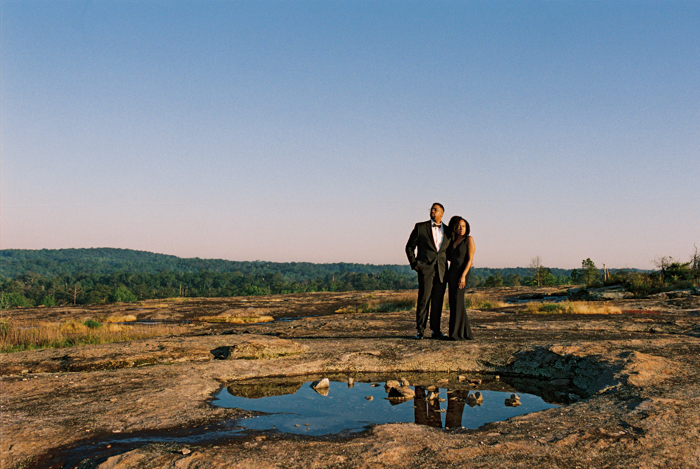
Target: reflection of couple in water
436 245
427 411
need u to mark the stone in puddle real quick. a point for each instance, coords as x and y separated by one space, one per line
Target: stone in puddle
185 451
431 389
462 377
432 395
324 383
443 381
475 398
369 398
513 401
392 383
351 382
404 382
475 381
402 392
322 387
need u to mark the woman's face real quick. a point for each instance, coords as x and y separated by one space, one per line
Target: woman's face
462 228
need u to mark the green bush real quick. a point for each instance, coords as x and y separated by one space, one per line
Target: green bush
13 300
92 324
48 301
123 295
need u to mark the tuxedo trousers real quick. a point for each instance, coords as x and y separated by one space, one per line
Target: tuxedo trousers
431 293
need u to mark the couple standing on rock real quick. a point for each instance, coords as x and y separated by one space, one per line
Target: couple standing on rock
437 244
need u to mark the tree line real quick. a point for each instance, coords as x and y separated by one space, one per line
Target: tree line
106 275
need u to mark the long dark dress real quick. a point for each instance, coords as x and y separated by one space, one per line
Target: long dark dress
459 322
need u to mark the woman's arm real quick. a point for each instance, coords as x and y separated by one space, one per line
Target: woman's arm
470 253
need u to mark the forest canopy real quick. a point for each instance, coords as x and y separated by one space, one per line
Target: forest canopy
105 275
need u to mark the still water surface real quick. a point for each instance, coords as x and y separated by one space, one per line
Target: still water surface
346 409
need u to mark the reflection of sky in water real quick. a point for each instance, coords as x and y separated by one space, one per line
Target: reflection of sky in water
346 409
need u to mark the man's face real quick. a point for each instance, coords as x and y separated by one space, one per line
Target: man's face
436 213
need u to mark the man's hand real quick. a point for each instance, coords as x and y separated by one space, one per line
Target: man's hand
462 283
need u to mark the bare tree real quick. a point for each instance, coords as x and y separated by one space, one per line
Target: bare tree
536 269
695 260
76 290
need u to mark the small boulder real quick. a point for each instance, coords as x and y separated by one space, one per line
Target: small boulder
513 401
322 387
443 381
369 398
324 383
392 383
462 377
475 398
402 392
351 382
404 382
185 451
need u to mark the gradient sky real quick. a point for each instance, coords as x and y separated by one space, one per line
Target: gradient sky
322 131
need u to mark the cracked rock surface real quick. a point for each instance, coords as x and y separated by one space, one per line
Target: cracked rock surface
637 374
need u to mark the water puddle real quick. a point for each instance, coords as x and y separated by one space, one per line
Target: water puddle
294 406
294 318
287 405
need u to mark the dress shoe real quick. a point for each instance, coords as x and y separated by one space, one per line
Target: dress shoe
420 336
439 335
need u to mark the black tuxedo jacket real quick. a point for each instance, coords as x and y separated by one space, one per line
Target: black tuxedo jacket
422 238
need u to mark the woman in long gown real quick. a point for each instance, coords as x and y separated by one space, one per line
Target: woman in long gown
460 253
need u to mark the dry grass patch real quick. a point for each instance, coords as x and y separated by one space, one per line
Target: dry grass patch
478 301
402 302
120 318
17 335
235 320
571 307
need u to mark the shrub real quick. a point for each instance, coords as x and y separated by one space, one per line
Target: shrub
123 295
48 301
92 324
14 300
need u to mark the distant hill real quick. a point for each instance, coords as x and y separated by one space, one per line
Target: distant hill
106 261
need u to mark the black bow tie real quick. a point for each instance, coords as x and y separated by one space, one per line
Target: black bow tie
436 226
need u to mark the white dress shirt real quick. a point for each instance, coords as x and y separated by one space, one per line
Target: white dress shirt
438 234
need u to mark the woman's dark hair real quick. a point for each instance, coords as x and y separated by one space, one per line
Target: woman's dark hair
454 223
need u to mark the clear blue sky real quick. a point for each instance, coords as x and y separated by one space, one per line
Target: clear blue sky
322 131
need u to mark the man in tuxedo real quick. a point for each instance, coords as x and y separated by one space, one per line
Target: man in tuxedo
430 262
